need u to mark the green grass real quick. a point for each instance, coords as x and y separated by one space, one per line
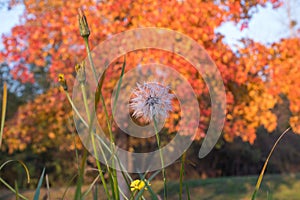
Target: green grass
55 193
278 187
273 186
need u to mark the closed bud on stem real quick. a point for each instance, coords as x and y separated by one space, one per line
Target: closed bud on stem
62 81
80 70
83 25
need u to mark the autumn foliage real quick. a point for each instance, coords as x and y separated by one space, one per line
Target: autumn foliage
256 77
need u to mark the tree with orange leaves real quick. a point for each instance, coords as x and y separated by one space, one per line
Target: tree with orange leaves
48 40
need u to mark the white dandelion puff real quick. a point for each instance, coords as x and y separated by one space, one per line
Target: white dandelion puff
151 100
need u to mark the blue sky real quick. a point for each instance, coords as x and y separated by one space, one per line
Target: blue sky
9 18
266 26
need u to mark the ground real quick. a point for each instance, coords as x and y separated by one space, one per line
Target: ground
275 187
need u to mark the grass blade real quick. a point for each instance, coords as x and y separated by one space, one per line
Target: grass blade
23 164
37 192
188 192
17 190
140 193
153 175
48 187
68 186
4 103
80 169
259 180
11 188
95 193
119 85
90 187
152 193
7 185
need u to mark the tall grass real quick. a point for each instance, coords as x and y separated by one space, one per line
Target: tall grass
4 102
260 178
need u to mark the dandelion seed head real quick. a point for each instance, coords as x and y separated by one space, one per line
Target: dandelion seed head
151 100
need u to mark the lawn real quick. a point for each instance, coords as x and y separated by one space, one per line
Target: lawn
276 187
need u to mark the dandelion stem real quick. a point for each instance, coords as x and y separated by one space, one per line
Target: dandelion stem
161 158
183 157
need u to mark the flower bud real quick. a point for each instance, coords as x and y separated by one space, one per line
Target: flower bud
83 25
62 81
80 70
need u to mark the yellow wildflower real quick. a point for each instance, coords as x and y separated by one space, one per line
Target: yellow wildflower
138 185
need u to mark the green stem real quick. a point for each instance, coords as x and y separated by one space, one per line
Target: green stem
99 138
81 174
92 136
83 90
161 158
81 171
114 173
181 175
88 50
